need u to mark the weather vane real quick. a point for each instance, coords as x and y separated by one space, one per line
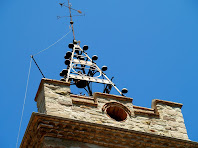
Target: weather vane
70 15
82 70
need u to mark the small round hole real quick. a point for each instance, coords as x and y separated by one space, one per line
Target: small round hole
116 113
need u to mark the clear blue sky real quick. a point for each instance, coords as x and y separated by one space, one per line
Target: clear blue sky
149 46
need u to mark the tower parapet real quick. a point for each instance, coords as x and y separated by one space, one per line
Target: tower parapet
163 118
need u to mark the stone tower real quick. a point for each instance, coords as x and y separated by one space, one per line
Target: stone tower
65 120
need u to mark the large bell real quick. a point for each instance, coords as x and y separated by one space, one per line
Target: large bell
81 83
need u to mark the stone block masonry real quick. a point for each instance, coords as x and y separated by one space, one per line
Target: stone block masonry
163 118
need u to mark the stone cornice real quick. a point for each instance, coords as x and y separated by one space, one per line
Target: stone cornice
83 100
143 108
42 125
78 101
138 110
83 97
104 95
173 104
44 80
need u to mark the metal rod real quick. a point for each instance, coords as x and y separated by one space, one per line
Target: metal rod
76 67
68 16
37 66
67 78
71 18
70 8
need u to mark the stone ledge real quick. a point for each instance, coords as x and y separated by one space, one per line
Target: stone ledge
82 97
139 112
82 102
104 95
43 80
41 125
145 111
173 104
143 108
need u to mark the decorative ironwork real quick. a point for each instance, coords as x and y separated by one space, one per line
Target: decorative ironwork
81 69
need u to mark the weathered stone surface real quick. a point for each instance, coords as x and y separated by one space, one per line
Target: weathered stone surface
168 118
165 118
65 102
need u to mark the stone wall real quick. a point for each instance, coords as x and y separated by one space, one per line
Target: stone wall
164 118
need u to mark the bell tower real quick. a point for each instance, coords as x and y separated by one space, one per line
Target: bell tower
98 119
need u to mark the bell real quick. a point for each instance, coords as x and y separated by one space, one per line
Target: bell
63 72
81 58
68 55
67 62
85 47
81 83
124 90
71 45
75 42
62 79
104 68
77 51
94 57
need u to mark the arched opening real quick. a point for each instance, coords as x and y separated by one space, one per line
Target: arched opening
117 113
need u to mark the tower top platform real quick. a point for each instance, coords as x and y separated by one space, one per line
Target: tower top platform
104 120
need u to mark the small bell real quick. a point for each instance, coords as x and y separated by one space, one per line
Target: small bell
75 42
71 45
68 55
67 62
62 79
124 90
94 57
104 68
85 47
